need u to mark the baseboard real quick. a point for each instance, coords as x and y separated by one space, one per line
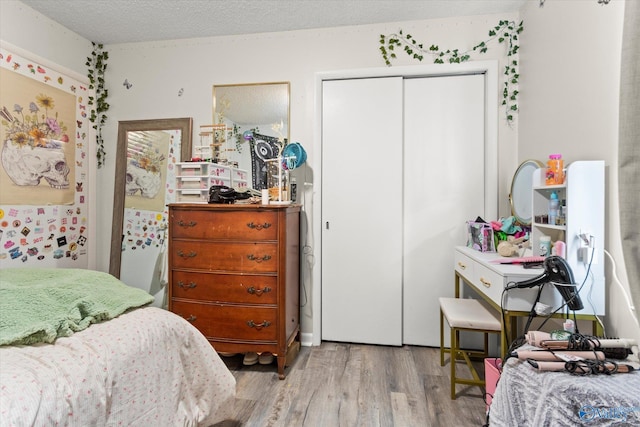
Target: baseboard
306 339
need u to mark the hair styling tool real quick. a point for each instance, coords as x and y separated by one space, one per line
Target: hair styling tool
558 273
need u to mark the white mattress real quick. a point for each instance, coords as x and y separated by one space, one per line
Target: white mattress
147 367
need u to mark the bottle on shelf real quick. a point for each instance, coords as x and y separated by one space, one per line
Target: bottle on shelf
562 213
544 248
555 170
554 205
559 249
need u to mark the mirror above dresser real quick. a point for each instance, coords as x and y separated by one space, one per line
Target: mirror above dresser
255 117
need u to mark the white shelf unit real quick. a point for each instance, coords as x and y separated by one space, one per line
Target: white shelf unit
193 180
583 191
239 178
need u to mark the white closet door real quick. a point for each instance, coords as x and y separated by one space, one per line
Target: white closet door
362 210
443 187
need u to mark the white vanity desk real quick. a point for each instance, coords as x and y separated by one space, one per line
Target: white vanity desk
489 279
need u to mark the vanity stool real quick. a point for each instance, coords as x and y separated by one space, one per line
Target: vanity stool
465 315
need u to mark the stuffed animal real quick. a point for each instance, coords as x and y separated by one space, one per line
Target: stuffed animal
511 246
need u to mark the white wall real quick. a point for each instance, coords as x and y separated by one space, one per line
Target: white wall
24 27
158 70
576 40
570 64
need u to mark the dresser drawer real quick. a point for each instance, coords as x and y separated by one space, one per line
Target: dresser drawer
224 287
229 322
235 225
224 256
464 265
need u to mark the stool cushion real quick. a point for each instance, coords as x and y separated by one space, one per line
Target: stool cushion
469 314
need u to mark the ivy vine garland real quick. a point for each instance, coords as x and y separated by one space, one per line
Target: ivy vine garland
506 32
97 64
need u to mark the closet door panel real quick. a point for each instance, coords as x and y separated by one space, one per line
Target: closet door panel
443 188
362 211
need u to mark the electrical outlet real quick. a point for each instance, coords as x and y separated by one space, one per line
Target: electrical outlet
582 254
585 254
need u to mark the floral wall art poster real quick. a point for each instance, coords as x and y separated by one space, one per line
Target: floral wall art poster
44 137
38 142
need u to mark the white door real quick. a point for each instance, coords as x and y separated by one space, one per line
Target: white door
444 179
362 210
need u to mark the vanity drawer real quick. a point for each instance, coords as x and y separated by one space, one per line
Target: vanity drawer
236 225
224 256
230 322
489 283
242 289
463 265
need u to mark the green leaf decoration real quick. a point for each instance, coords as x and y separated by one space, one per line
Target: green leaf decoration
96 67
506 32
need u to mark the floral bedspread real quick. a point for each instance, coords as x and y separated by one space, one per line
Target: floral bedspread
147 367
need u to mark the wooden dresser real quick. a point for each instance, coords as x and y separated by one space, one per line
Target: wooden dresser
234 273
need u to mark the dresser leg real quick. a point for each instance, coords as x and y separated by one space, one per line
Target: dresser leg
281 360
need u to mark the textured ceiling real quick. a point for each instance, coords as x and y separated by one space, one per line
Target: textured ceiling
125 21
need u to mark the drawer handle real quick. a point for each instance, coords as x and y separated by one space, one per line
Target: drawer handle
485 282
191 318
191 285
258 292
258 326
252 257
258 226
461 265
181 223
189 255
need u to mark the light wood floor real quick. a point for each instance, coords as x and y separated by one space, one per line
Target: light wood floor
349 385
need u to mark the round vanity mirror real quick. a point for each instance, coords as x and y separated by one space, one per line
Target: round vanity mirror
520 196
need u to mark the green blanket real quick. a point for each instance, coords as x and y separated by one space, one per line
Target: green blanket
41 304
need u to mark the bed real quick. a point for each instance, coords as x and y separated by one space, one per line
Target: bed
525 396
112 360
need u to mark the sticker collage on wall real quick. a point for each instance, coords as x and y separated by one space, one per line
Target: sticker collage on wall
146 211
44 137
